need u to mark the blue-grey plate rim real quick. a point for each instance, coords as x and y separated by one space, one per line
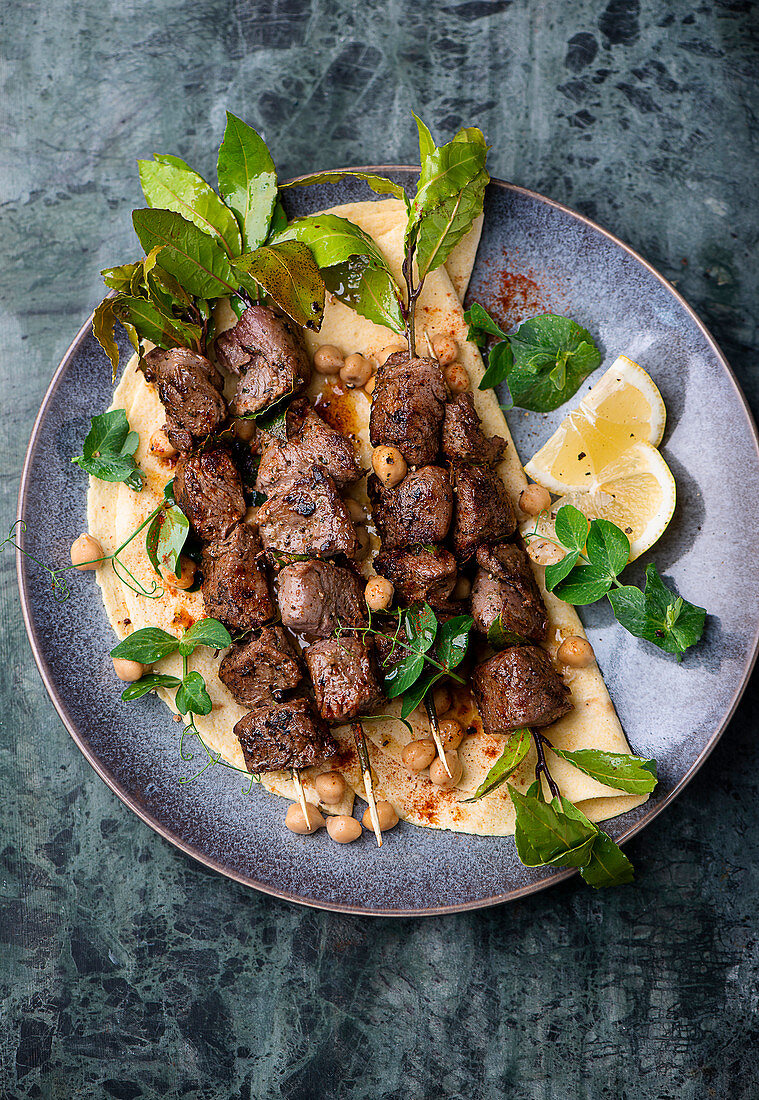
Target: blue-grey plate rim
556 876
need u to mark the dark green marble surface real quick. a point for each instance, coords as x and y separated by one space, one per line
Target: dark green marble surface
127 971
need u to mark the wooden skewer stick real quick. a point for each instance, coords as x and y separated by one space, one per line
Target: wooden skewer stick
301 796
366 768
435 731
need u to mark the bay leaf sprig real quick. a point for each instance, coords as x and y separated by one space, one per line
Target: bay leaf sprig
596 553
543 363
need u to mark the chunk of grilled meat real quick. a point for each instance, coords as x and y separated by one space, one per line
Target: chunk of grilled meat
408 405
310 441
484 512
262 670
235 589
519 687
316 597
505 586
208 489
268 352
343 674
420 574
416 511
190 388
307 515
282 736
463 438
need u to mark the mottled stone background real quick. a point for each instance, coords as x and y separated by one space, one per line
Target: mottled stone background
126 970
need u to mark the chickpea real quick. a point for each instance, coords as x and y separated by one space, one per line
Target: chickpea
576 652
418 755
251 516
544 552
297 823
463 589
84 553
362 543
129 671
391 349
451 733
356 511
187 575
369 386
160 446
330 786
389 465
457 377
534 499
445 349
356 371
379 593
386 816
442 699
328 359
440 776
244 430
343 829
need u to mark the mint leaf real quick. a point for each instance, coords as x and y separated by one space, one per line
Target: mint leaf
169 186
658 615
453 640
608 547
500 362
514 752
584 584
208 632
421 627
608 865
192 696
550 832
287 272
146 646
552 357
148 683
481 326
108 450
247 180
571 527
614 769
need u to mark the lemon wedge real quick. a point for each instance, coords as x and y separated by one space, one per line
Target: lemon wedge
623 407
636 492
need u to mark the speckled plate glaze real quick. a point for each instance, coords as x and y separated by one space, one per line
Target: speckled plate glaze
535 255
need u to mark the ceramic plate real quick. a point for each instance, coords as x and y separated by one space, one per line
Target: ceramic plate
535 255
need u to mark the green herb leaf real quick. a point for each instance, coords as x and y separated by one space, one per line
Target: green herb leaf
103 322
552 357
426 140
247 180
608 865
165 539
453 640
514 752
608 547
379 184
196 259
171 187
153 324
448 223
353 267
658 614
551 832
120 278
558 570
278 221
146 646
192 696
614 769
500 637
415 694
149 683
481 326
500 362
584 584
287 272
571 527
109 448
421 628
209 632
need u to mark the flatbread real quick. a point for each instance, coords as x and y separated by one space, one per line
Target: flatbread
114 511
